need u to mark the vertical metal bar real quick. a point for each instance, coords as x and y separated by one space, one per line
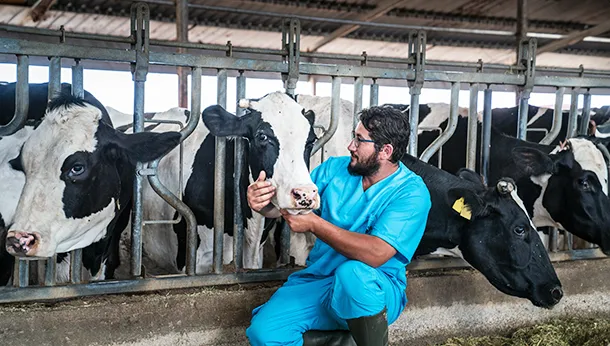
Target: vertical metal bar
586 113
137 213
523 110
78 90
21 273
54 90
219 179
238 229
191 221
473 122
486 135
521 32
335 107
573 119
413 120
374 94
358 83
451 125
557 118
182 31
22 98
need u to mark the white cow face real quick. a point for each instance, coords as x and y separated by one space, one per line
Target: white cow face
281 137
79 173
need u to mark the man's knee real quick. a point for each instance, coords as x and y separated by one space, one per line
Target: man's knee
355 272
262 332
258 333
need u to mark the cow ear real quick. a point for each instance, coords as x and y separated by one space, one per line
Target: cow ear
222 123
466 203
470 175
564 160
530 161
144 146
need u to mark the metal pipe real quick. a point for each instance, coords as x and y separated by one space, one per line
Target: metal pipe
451 126
239 164
182 32
78 90
413 120
137 212
586 114
335 109
22 98
521 31
486 135
573 119
473 122
21 273
523 115
358 84
219 179
166 194
557 118
374 94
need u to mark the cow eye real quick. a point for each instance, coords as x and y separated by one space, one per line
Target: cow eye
76 170
584 184
262 137
519 230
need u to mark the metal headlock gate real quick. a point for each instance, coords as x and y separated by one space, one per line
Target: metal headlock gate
286 61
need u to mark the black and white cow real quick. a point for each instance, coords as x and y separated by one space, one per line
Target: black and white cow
79 174
280 137
560 187
490 229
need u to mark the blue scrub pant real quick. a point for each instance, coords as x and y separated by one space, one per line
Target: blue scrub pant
356 290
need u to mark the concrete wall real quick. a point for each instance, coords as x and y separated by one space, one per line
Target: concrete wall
459 302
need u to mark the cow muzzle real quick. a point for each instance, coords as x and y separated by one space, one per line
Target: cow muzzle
22 244
305 197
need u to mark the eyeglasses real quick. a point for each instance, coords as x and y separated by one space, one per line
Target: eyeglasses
357 140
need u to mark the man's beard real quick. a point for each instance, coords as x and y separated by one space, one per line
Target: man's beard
367 168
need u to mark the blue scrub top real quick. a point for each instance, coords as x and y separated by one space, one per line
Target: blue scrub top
394 209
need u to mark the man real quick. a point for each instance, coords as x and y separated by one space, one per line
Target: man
372 216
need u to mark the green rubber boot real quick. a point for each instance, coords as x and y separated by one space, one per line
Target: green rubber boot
370 330
328 338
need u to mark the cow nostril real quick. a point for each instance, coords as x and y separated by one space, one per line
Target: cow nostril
557 293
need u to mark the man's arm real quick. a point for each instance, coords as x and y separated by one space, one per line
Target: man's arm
362 247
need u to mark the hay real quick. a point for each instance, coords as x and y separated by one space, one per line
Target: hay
557 332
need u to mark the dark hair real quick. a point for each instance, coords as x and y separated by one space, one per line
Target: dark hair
387 125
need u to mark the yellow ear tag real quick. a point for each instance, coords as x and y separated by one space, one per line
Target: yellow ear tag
462 208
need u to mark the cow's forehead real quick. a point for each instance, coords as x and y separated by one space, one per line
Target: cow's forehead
590 158
282 112
64 131
515 197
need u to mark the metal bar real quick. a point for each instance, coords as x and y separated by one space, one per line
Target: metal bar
182 32
358 84
523 112
451 126
21 273
12 46
521 31
78 90
137 212
486 135
473 122
54 77
22 98
586 114
239 164
11 295
575 37
573 119
374 94
557 118
335 109
413 120
219 179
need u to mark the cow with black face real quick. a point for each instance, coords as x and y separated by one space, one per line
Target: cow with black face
79 174
561 186
490 229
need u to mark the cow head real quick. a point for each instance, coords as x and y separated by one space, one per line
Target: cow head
281 137
501 242
574 186
79 174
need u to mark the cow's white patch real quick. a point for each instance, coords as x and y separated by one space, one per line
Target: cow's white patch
439 112
542 218
519 202
11 181
291 129
455 252
205 251
590 158
63 132
537 116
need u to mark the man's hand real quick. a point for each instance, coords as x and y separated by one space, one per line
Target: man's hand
300 223
260 193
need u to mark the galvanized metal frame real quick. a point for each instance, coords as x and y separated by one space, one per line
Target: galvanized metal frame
412 69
